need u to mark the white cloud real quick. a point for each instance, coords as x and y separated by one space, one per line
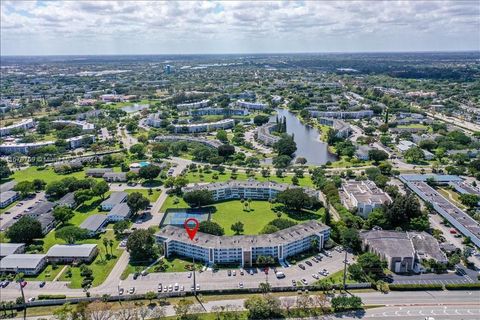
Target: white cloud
232 26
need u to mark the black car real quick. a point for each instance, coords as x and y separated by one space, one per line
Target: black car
135 275
308 263
301 266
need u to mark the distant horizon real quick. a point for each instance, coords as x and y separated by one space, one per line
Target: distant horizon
239 53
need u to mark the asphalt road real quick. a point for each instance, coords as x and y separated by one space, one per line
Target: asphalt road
207 280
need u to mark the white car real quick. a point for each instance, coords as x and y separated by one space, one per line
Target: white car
304 281
315 276
176 287
131 290
240 285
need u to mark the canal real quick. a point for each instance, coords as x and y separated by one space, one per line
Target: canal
309 145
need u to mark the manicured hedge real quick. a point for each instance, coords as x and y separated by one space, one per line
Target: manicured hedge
463 286
51 296
413 287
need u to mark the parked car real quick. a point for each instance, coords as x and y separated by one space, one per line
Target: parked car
229 273
301 266
294 283
315 276
42 284
120 291
131 290
240 285
308 263
304 281
160 287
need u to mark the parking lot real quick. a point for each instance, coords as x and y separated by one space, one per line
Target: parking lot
9 216
218 280
464 276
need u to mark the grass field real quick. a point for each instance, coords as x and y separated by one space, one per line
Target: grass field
47 174
254 219
258 215
152 197
193 177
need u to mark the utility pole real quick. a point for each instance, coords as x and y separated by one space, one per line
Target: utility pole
345 269
194 279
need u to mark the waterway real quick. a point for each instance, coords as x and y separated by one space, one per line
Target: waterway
135 108
309 145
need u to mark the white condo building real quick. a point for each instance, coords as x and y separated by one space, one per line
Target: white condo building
363 195
246 190
251 105
243 250
193 105
24 124
264 134
204 127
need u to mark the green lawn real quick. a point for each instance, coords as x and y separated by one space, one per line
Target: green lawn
255 218
152 197
260 214
48 274
101 267
47 174
193 177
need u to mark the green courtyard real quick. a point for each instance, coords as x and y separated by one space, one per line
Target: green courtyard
254 215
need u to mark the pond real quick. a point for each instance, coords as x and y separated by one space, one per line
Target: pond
135 108
309 145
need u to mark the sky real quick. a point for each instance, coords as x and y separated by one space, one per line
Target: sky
189 27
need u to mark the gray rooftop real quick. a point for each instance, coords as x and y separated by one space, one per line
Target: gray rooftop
115 198
67 200
120 209
7 186
7 195
9 248
285 236
390 243
23 261
99 170
94 222
73 250
115 174
41 208
404 244
424 177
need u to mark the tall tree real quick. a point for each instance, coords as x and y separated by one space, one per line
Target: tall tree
63 214
136 202
25 230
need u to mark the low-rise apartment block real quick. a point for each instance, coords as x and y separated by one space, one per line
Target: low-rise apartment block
363 195
246 190
193 105
22 125
403 251
264 134
243 250
204 127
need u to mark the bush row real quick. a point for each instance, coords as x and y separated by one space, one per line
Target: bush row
51 296
413 287
463 286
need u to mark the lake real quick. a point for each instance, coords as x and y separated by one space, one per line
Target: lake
135 108
309 145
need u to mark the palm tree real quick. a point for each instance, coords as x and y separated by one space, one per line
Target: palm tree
105 243
110 244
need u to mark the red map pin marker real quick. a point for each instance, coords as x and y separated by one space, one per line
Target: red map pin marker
191 230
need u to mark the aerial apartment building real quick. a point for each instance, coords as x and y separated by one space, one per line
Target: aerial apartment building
24 124
243 250
363 195
342 114
204 127
24 148
264 134
85 126
251 105
341 127
193 105
246 190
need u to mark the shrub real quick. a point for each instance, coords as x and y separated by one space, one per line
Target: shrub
414 287
463 286
51 296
